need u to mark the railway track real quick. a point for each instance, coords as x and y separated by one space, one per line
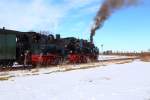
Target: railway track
72 66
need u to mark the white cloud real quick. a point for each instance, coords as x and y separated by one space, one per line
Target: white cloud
31 15
38 14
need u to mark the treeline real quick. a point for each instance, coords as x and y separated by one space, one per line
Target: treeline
109 52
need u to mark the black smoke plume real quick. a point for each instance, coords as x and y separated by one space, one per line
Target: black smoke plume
106 10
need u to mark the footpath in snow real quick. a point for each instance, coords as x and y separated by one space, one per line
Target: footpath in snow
128 81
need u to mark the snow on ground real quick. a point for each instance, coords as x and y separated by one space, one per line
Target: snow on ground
113 82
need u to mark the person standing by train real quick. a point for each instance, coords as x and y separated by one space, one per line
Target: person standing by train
27 58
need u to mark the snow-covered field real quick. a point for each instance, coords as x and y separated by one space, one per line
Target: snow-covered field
129 81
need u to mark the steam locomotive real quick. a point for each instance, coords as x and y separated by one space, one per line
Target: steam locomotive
32 48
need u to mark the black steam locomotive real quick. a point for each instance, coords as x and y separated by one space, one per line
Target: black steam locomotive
31 48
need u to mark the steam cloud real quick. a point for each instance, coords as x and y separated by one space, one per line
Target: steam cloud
105 11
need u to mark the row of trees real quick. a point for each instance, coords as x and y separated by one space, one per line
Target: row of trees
110 52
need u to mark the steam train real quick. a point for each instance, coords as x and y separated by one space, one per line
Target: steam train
32 48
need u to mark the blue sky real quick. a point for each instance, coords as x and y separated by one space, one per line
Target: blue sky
128 29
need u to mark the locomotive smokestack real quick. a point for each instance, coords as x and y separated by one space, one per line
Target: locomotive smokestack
105 11
92 34
3 28
91 39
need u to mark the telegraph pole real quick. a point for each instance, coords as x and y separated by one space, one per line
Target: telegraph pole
102 48
102 52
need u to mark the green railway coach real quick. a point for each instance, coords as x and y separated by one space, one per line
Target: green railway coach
7 44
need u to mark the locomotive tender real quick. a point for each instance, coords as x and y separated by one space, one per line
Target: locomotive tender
32 48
